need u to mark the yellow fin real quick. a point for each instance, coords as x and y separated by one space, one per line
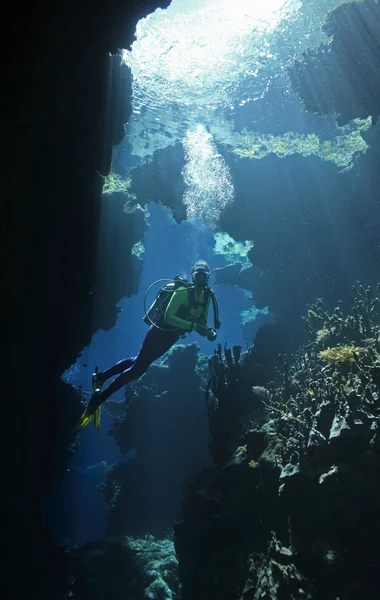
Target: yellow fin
97 418
82 423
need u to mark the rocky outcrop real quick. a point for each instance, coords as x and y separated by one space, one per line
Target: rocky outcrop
343 79
123 567
311 239
161 181
56 75
292 512
118 267
165 421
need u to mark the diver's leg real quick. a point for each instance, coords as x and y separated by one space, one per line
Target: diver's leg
155 344
116 369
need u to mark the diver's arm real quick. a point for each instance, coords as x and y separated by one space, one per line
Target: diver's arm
202 319
202 327
177 300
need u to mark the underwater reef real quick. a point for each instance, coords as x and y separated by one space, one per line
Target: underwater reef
124 567
342 77
342 151
286 508
290 510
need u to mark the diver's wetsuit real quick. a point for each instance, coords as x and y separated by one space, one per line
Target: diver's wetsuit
157 341
155 344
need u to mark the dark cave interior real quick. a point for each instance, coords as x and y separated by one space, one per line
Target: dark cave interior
59 127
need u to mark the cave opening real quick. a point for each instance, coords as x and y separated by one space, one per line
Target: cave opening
219 161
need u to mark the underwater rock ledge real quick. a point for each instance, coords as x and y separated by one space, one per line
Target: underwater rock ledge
343 78
55 71
123 567
164 419
292 512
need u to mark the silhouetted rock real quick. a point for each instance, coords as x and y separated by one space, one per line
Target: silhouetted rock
160 180
165 421
343 78
57 128
292 511
120 568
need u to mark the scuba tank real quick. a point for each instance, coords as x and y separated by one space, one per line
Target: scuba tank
157 309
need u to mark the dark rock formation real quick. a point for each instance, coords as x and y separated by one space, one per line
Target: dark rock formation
160 180
343 78
292 512
235 274
121 568
118 269
311 238
230 401
166 423
57 131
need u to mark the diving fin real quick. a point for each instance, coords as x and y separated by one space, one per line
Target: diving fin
97 418
82 423
92 412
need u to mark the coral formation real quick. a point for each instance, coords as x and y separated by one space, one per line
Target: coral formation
138 249
289 506
115 183
233 251
349 380
124 567
341 150
341 354
223 413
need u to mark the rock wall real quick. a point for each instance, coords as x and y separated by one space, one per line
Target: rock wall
291 511
312 227
343 80
166 423
58 129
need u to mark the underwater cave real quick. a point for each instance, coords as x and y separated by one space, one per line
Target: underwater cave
214 436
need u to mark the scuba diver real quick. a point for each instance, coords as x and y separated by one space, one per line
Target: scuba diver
179 308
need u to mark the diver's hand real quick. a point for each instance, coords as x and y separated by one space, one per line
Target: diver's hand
211 335
201 329
205 331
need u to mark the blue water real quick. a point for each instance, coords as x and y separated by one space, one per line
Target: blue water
74 509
